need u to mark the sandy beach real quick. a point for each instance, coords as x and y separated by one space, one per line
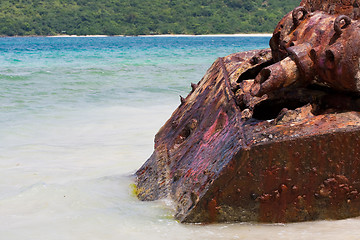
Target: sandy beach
178 35
213 35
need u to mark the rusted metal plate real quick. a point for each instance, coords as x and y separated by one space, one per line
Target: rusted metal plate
268 135
288 173
193 139
345 7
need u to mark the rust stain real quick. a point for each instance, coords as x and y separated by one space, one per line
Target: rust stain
212 206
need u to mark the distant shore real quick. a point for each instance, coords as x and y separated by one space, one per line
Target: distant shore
213 35
160 35
177 35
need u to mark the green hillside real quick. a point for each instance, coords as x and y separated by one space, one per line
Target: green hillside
136 17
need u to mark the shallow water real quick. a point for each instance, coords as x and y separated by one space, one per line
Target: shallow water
78 117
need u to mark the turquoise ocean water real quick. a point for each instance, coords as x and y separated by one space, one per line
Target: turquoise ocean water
78 117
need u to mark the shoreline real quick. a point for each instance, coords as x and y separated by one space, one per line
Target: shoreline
160 35
213 35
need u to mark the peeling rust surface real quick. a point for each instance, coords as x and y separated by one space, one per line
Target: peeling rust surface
269 135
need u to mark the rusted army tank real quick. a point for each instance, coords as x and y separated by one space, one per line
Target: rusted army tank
269 135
